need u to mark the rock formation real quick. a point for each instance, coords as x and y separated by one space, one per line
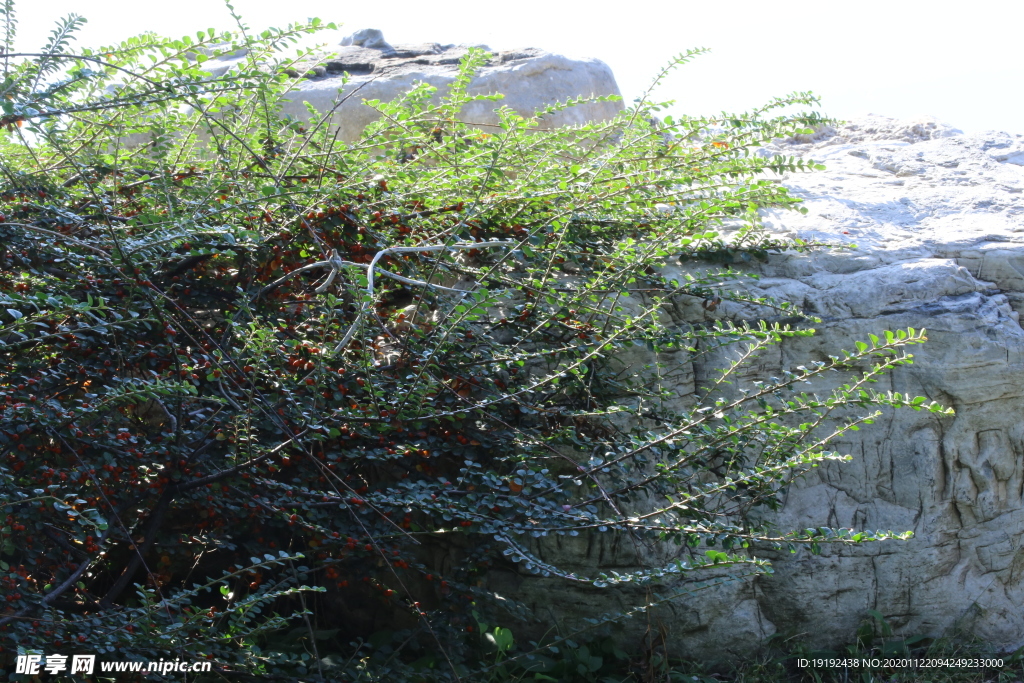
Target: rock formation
530 80
938 220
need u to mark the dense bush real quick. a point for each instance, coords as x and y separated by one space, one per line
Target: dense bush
255 383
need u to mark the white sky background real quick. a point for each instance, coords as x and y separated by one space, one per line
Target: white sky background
960 62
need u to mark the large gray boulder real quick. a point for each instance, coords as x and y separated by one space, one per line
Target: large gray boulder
938 220
530 79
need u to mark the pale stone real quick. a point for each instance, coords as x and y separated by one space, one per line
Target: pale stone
367 37
938 219
529 79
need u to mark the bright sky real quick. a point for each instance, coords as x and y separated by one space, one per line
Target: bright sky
958 62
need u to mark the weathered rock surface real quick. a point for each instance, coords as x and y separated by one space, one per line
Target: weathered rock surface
938 220
530 79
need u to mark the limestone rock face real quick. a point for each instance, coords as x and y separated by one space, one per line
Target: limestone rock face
530 79
938 220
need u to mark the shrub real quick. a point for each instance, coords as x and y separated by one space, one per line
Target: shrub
256 381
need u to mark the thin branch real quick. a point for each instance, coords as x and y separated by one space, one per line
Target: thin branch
61 236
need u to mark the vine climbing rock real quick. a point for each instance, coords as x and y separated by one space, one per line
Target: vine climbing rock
530 79
937 218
